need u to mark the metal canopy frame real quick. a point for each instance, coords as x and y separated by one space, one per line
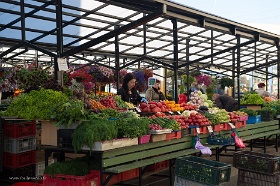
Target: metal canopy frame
142 32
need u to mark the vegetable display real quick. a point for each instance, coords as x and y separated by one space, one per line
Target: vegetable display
252 98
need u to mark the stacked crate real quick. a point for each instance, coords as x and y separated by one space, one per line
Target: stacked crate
19 156
257 169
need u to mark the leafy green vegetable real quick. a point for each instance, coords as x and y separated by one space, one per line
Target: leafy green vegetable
252 98
68 113
36 104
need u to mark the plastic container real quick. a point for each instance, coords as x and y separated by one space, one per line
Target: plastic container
203 130
185 132
40 183
144 139
19 130
173 135
64 138
184 182
216 128
253 119
242 118
158 137
19 160
220 140
114 180
267 117
257 162
202 170
91 179
159 166
19 145
248 178
240 124
130 174
40 167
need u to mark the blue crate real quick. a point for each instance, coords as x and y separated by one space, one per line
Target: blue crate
253 119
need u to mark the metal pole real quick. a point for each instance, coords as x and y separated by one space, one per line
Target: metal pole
22 20
117 58
59 36
145 37
187 61
233 74
212 46
238 69
266 73
175 62
278 70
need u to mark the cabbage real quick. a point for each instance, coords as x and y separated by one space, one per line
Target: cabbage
204 97
210 103
206 104
199 93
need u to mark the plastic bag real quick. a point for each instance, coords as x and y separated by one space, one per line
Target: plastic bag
203 149
238 141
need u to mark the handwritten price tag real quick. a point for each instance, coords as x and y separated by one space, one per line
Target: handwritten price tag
231 125
197 130
210 129
170 112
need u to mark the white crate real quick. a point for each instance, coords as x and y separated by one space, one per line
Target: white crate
40 167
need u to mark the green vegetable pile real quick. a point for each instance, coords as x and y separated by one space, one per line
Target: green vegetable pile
166 123
119 102
213 118
77 167
132 127
92 131
128 114
68 113
252 98
105 114
250 112
36 104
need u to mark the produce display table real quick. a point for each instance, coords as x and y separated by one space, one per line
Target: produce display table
139 157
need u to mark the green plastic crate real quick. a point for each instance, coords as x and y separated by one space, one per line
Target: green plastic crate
202 170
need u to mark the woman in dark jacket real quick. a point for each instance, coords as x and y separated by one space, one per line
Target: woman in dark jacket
128 91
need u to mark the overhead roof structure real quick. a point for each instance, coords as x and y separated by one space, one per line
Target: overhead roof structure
154 33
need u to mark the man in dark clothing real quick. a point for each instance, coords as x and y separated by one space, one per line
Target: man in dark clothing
225 102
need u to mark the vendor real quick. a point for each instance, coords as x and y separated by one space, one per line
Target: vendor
128 91
225 102
262 92
154 94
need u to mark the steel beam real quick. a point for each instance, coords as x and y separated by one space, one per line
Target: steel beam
11 49
28 44
117 59
22 21
259 66
92 62
220 52
132 62
175 61
115 32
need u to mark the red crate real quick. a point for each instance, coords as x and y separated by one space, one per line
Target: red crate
173 135
93 178
240 124
128 175
114 180
19 160
216 128
159 166
225 126
17 130
243 118
144 139
203 130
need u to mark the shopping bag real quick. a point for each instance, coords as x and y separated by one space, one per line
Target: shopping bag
238 141
203 149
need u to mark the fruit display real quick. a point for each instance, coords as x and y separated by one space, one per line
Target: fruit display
154 107
235 115
109 102
129 105
197 119
189 106
188 112
95 105
173 106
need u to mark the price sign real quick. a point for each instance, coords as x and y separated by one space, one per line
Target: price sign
197 130
178 112
231 125
62 64
137 109
170 112
210 129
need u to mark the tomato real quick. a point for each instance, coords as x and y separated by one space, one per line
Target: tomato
192 114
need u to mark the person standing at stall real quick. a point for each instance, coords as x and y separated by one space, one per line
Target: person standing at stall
128 91
154 94
262 92
225 102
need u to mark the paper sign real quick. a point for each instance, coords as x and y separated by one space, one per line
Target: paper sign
178 112
62 64
231 125
137 109
210 129
170 112
197 130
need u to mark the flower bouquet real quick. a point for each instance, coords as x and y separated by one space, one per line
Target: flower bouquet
203 79
97 75
147 73
108 74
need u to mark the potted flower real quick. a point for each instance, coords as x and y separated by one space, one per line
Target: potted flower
81 75
226 82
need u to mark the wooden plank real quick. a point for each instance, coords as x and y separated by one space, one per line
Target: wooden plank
146 146
260 135
150 161
262 124
145 154
258 130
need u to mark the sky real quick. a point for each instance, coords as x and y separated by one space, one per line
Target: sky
262 14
